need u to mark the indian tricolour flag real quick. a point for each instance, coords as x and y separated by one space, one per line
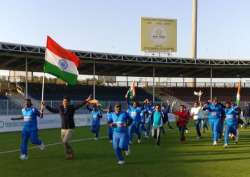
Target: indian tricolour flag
61 62
238 94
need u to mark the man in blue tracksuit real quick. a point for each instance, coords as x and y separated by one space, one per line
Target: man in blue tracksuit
221 123
148 114
109 119
120 121
96 115
30 130
143 122
134 112
215 112
231 113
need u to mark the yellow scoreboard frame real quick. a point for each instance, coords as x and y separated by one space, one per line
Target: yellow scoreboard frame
158 34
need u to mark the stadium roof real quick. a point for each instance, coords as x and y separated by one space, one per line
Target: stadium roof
12 57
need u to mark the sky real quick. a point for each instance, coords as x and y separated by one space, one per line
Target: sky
113 26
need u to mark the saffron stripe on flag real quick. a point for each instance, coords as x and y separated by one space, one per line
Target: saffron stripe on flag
54 47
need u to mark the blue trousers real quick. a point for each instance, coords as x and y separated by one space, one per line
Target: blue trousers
134 128
110 133
229 128
221 127
214 124
143 127
95 128
198 127
148 127
120 143
26 135
182 133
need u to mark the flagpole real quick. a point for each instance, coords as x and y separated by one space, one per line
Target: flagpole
41 106
42 99
94 83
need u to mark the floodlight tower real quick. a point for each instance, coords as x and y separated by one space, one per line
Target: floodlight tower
194 32
194 28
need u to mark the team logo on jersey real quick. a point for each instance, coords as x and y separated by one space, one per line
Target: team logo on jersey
63 64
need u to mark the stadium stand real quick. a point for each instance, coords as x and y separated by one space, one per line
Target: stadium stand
224 94
78 92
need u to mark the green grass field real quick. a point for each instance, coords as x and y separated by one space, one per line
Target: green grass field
97 159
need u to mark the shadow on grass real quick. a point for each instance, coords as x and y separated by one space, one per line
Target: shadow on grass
214 160
213 152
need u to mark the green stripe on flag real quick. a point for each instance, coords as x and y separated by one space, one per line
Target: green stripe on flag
71 79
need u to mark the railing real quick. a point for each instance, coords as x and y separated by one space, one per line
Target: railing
6 81
10 81
178 84
7 107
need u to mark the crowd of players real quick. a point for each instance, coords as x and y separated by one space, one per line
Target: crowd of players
146 119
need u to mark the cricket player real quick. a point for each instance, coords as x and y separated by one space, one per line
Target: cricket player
120 121
109 119
30 130
96 115
230 122
134 112
215 110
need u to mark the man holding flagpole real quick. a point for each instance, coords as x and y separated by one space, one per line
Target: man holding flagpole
63 64
135 113
66 111
238 94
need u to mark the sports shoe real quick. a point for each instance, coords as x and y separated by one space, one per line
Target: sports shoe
198 138
127 153
23 157
110 141
95 138
225 145
139 141
214 143
41 146
236 140
121 162
70 157
183 141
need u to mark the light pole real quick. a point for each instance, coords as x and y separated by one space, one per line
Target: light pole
194 28
194 32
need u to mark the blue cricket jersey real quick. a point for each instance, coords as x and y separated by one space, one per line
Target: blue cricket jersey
231 115
215 111
96 115
30 118
109 116
149 109
135 114
120 121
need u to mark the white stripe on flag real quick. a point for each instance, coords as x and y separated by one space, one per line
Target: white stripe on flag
54 59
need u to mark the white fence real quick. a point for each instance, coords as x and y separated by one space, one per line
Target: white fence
8 107
49 121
